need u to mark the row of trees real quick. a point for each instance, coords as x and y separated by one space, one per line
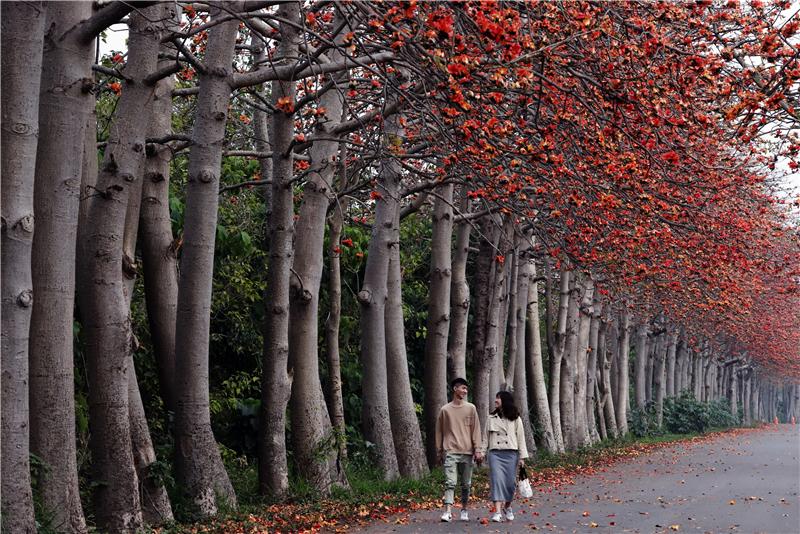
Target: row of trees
596 179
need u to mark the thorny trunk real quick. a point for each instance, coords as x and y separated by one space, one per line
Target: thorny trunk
64 105
435 376
200 471
22 33
276 381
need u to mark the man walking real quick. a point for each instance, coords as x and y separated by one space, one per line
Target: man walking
458 442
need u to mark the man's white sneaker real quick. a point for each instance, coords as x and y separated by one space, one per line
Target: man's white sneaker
497 518
447 517
509 514
464 515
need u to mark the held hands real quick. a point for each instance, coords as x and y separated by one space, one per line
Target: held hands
478 457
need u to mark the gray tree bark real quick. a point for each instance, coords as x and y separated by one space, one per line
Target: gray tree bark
405 426
200 471
276 381
22 40
312 431
606 337
533 351
585 292
333 321
641 365
517 337
556 344
621 402
568 370
592 372
459 300
486 280
659 379
375 420
158 247
435 376
672 350
104 292
65 103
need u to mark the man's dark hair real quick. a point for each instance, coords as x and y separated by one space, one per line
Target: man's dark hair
458 382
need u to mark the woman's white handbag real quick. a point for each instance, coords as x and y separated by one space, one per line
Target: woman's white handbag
524 485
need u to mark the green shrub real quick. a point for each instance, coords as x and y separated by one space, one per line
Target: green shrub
685 415
642 422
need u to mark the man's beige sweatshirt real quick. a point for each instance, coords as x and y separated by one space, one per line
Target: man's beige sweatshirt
458 429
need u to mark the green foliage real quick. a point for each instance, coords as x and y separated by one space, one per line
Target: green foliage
685 414
643 422
682 415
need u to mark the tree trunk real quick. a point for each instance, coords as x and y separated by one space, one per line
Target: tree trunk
659 386
22 40
311 426
621 402
435 376
568 370
158 248
200 471
486 280
651 358
276 381
333 321
533 351
459 300
672 349
104 292
375 420
65 103
513 298
522 272
585 292
405 426
499 380
606 399
556 347
641 365
591 380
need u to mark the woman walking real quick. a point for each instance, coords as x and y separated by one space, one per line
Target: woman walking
505 441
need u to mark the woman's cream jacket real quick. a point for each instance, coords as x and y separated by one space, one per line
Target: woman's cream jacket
502 434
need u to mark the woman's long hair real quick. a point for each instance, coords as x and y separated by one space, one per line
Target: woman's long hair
507 409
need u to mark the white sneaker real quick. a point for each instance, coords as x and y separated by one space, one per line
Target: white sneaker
464 515
447 517
509 514
497 518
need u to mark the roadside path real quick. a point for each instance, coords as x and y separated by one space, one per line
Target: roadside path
737 482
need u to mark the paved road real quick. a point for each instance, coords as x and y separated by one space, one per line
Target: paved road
734 483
